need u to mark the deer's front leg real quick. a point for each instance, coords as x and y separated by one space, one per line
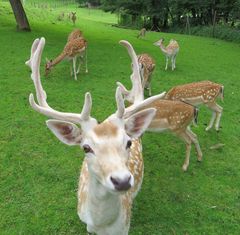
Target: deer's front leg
166 67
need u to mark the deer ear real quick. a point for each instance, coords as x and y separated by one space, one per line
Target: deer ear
66 132
137 124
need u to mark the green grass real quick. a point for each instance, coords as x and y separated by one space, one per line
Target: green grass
38 174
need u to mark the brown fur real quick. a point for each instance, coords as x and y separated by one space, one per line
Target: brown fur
105 129
77 33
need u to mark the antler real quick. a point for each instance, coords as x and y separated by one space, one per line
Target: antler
135 96
42 106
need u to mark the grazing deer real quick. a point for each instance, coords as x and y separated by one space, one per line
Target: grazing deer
203 92
73 17
142 33
74 48
76 33
175 116
170 51
112 170
147 66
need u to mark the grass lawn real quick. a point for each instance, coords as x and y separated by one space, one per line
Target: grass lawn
39 175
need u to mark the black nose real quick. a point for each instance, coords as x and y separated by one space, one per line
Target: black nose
121 185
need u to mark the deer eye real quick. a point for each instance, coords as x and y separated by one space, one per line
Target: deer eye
87 149
129 144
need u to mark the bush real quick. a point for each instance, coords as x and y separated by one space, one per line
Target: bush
221 32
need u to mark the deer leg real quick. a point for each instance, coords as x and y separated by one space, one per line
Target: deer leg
150 90
188 143
74 68
78 70
216 115
172 61
85 58
166 67
218 118
71 69
194 139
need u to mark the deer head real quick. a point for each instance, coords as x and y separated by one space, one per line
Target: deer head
159 42
106 145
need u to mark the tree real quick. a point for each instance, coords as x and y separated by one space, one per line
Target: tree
20 15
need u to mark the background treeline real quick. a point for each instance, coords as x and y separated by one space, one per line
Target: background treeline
217 18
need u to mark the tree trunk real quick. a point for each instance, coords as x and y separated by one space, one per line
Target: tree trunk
20 15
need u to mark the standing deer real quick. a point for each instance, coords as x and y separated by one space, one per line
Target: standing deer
147 66
112 170
72 51
170 51
203 92
174 116
142 33
74 17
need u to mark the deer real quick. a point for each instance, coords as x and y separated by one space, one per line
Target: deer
72 51
170 51
147 66
73 17
197 93
112 170
171 115
76 33
142 33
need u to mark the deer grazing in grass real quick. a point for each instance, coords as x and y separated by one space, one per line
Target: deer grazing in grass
74 49
147 66
203 92
142 33
112 170
174 116
170 51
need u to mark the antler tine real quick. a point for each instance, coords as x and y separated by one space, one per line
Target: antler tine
42 106
86 111
120 103
127 94
33 49
137 90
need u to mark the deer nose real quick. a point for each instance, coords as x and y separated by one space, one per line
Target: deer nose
121 184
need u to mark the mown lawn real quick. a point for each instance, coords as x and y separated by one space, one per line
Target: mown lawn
38 174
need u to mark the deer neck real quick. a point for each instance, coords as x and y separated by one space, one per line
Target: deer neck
59 58
103 206
163 48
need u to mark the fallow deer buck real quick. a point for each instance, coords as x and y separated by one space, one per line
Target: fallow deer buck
203 92
175 116
147 66
74 49
170 51
112 169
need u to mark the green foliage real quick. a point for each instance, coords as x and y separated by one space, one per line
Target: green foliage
220 32
39 175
